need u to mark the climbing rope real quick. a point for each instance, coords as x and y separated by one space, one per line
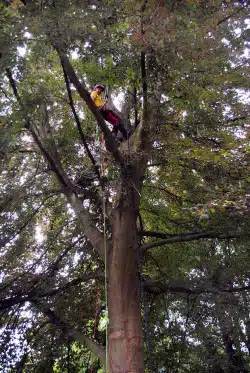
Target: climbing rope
103 169
95 322
103 173
106 286
126 116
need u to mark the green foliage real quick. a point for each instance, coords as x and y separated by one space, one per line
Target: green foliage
196 179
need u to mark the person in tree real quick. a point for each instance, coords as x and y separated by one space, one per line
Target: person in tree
107 113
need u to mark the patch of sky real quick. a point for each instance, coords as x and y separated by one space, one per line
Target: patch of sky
65 271
225 42
24 178
39 236
118 100
21 51
70 210
195 273
76 258
81 114
39 269
164 98
74 54
86 204
243 95
238 31
27 35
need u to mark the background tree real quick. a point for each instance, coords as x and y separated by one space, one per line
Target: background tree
175 195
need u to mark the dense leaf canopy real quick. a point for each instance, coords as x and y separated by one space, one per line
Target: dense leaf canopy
181 67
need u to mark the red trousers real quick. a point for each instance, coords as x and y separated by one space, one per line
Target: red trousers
110 116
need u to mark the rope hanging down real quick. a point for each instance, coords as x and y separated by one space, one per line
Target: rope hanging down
95 322
104 167
103 174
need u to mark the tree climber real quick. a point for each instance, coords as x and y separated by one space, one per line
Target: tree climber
107 113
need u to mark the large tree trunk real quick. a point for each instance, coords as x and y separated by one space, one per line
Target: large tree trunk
125 329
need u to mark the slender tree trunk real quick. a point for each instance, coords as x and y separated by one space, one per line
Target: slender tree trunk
236 362
125 331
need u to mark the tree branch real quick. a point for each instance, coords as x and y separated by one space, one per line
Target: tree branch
4 242
10 302
178 198
13 86
55 264
110 142
232 14
192 237
169 235
69 284
155 234
77 335
78 123
34 294
235 119
93 234
62 178
180 286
